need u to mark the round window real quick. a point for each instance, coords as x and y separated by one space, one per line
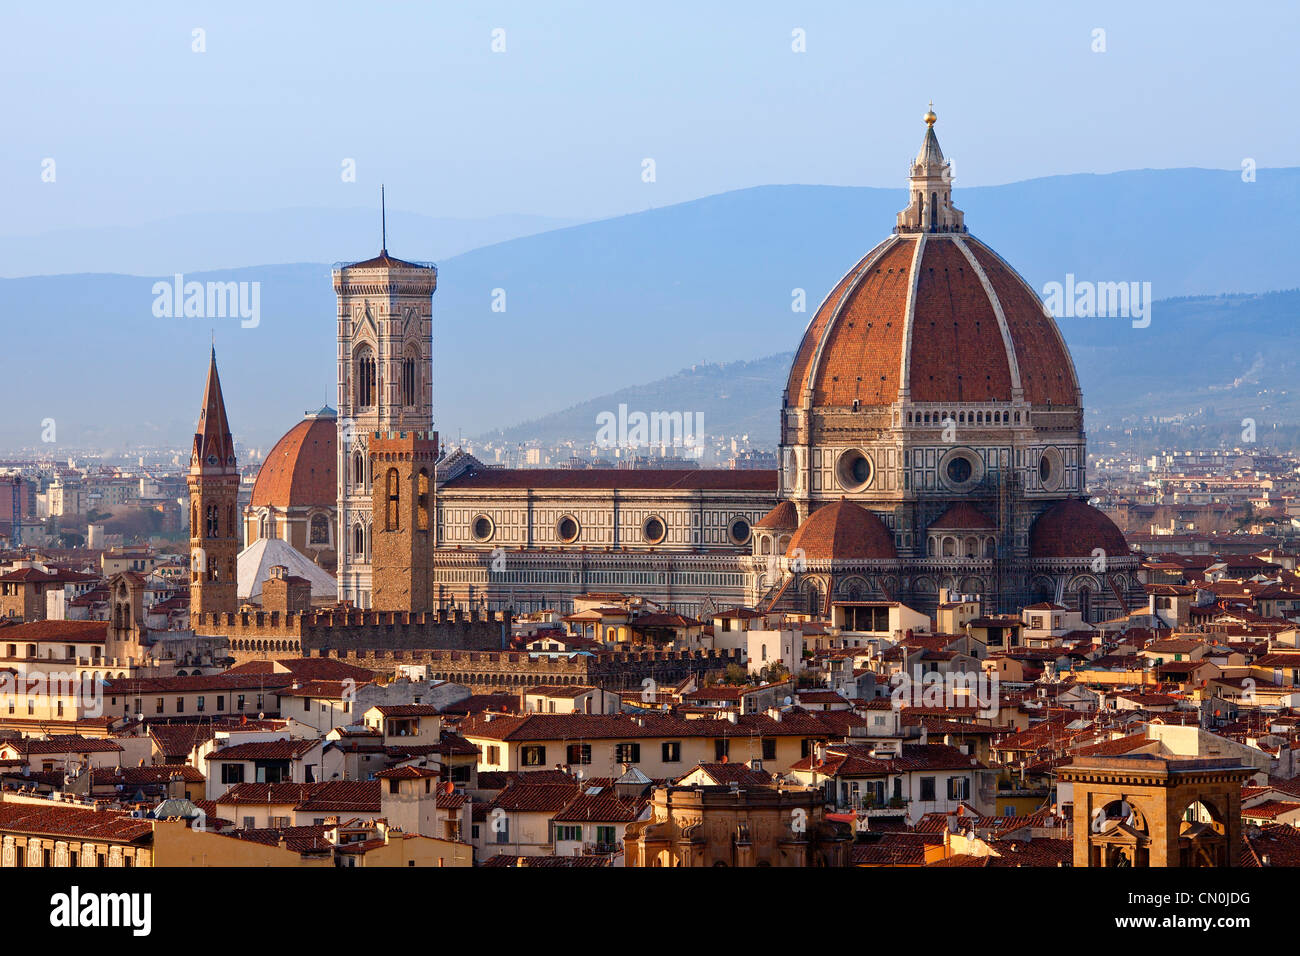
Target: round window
653 530
739 530
1051 469
854 469
482 527
959 471
567 529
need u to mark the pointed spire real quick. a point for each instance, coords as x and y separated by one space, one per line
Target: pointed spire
929 188
383 222
214 446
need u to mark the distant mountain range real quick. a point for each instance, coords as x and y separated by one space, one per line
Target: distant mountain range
599 307
1226 357
230 240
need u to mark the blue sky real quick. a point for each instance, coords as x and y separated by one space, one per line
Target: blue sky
141 127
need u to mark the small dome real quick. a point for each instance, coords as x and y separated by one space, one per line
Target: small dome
301 470
1074 529
963 517
843 531
783 517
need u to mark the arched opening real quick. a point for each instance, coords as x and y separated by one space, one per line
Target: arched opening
363 364
320 530
409 380
392 513
422 500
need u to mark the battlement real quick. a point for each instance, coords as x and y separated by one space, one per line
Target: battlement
513 671
403 446
259 635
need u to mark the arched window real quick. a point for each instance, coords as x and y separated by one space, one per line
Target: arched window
194 520
422 500
408 381
358 470
320 530
363 364
392 521
214 521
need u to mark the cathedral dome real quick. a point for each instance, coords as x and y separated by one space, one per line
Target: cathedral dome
842 531
931 315
301 468
937 318
1074 529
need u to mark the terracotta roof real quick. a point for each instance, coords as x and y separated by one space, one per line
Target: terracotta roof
333 796
265 750
62 820
525 797
842 531
605 806
725 774
784 517
667 479
76 631
64 743
854 345
1072 529
300 469
306 668
384 261
179 740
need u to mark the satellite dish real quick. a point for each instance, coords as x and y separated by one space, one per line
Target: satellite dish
789 699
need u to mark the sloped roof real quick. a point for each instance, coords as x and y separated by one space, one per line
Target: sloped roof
254 565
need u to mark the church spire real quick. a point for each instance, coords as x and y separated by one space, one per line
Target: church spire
214 447
929 185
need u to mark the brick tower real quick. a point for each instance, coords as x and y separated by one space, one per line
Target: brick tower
402 468
214 493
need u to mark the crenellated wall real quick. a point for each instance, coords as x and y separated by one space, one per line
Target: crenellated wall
265 635
512 671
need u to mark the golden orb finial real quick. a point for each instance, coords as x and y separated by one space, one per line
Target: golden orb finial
929 116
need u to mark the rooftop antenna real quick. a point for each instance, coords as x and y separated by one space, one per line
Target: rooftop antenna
383 223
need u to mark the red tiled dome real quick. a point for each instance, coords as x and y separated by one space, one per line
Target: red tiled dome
301 468
1072 529
842 531
964 327
783 517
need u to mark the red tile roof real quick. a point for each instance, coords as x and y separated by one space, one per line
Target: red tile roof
612 478
300 469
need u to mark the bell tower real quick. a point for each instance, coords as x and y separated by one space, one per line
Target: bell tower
385 385
126 632
214 494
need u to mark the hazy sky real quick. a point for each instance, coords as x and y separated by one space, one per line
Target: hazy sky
141 127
